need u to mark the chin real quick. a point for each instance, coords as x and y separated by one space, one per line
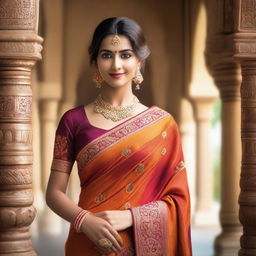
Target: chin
116 85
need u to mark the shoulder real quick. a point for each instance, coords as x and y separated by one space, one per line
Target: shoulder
71 117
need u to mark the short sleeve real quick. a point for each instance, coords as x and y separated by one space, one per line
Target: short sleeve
63 155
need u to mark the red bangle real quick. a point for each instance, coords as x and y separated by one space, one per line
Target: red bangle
79 219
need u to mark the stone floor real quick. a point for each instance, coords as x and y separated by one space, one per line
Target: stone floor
202 242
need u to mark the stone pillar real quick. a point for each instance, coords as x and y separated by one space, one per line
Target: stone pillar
245 51
50 223
204 161
227 78
226 73
20 48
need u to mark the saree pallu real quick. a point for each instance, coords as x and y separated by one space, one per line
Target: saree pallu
137 165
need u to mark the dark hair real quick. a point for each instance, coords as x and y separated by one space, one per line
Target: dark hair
121 26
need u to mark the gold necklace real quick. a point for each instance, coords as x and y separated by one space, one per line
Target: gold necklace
115 113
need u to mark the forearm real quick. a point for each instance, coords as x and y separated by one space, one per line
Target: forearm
62 205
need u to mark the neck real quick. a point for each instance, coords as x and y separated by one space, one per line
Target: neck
117 96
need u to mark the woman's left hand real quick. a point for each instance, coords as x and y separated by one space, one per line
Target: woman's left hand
120 220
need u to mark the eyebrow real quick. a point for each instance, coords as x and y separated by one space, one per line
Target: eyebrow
125 50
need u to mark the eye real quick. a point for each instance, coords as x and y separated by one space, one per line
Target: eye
126 55
106 55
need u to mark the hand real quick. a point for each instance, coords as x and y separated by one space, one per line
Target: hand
119 220
96 228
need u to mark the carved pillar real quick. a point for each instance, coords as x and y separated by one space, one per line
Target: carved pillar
245 51
19 50
227 78
204 204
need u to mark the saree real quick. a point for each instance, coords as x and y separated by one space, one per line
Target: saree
136 165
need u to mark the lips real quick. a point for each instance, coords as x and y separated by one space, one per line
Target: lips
116 75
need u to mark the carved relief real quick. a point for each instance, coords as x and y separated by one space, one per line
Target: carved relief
15 136
15 106
16 217
247 16
249 151
18 14
15 176
248 48
19 48
249 115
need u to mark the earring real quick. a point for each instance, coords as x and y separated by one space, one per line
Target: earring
138 79
97 79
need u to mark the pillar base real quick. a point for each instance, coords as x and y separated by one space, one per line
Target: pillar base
228 243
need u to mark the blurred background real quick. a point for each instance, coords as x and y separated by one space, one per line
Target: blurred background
188 74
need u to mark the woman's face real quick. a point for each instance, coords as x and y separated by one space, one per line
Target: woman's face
117 64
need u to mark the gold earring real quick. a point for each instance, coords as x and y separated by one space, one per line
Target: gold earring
97 79
138 79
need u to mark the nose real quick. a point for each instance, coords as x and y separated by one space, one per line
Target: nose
116 65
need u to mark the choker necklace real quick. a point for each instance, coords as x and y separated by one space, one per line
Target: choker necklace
115 113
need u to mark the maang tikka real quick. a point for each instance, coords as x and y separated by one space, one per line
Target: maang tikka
116 40
138 79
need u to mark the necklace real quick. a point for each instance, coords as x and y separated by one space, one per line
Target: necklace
115 113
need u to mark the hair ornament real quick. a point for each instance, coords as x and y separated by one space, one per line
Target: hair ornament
116 40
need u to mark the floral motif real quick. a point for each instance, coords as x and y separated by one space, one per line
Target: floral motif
150 229
61 147
180 166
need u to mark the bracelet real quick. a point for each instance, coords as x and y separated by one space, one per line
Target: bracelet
79 220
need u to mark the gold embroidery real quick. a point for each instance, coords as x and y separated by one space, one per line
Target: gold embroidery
164 133
129 188
100 198
61 147
126 152
180 166
163 152
139 168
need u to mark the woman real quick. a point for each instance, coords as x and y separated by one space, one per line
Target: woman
134 196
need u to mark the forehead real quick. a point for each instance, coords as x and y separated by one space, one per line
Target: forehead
107 44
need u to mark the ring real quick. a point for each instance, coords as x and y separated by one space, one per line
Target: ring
105 243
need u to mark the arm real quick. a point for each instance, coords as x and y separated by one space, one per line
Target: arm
93 227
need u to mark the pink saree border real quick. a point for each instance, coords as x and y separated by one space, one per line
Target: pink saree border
150 229
119 133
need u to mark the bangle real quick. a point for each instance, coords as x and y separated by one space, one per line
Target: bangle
79 219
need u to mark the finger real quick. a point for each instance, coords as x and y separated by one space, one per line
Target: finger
113 240
116 235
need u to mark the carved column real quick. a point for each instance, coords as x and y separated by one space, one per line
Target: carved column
245 51
227 78
204 205
19 50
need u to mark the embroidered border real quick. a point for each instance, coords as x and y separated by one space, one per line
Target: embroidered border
60 147
102 143
150 229
61 166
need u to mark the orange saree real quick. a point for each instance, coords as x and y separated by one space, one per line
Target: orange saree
137 165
